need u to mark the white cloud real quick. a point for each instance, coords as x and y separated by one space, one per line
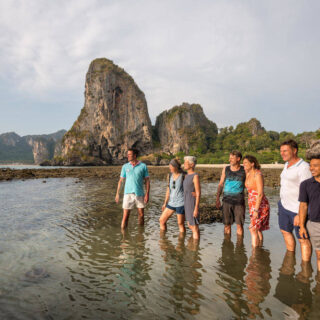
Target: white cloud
235 58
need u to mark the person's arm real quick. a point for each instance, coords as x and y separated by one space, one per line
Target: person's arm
197 187
300 219
220 187
118 189
147 182
303 211
259 183
166 200
304 174
146 196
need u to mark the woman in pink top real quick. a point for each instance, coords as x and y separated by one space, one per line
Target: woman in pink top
259 208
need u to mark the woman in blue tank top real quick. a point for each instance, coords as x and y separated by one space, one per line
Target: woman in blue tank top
174 200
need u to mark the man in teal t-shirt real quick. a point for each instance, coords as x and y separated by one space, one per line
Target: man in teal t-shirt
135 173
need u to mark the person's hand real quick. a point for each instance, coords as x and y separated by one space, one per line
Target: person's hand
195 213
163 207
146 198
193 194
303 233
255 214
218 204
296 221
117 198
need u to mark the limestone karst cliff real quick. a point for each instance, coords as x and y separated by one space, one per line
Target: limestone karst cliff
114 118
43 146
28 149
185 128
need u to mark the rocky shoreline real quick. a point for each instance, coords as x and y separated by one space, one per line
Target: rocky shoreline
209 213
272 176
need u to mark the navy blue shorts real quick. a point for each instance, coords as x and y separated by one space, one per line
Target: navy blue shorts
178 210
286 220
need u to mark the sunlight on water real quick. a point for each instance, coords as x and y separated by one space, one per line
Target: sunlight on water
63 256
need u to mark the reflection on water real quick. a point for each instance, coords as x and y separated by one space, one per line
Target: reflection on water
231 274
182 272
258 281
63 256
294 289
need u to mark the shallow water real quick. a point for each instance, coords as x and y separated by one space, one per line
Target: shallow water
63 256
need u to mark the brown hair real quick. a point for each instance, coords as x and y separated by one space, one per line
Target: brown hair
236 153
291 143
253 160
175 163
135 151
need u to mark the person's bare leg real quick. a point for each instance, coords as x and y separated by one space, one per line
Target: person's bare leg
195 232
239 229
318 259
227 229
180 219
227 236
306 249
239 240
193 244
260 235
166 214
289 240
254 237
124 234
125 218
141 216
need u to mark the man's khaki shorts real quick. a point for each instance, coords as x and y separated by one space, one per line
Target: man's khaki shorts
314 232
130 200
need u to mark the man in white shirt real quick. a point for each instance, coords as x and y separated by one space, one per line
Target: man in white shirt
295 171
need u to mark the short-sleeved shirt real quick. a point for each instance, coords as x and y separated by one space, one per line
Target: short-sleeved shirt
310 193
291 179
233 191
134 177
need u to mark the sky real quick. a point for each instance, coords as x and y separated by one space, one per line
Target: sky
238 59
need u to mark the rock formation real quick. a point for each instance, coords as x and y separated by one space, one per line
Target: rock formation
255 127
114 118
10 139
185 128
28 149
314 149
41 149
43 146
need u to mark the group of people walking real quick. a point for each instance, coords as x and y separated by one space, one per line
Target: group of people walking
299 205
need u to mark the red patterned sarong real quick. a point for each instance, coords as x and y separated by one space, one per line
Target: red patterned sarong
260 223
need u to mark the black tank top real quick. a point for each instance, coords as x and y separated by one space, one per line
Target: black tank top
233 191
